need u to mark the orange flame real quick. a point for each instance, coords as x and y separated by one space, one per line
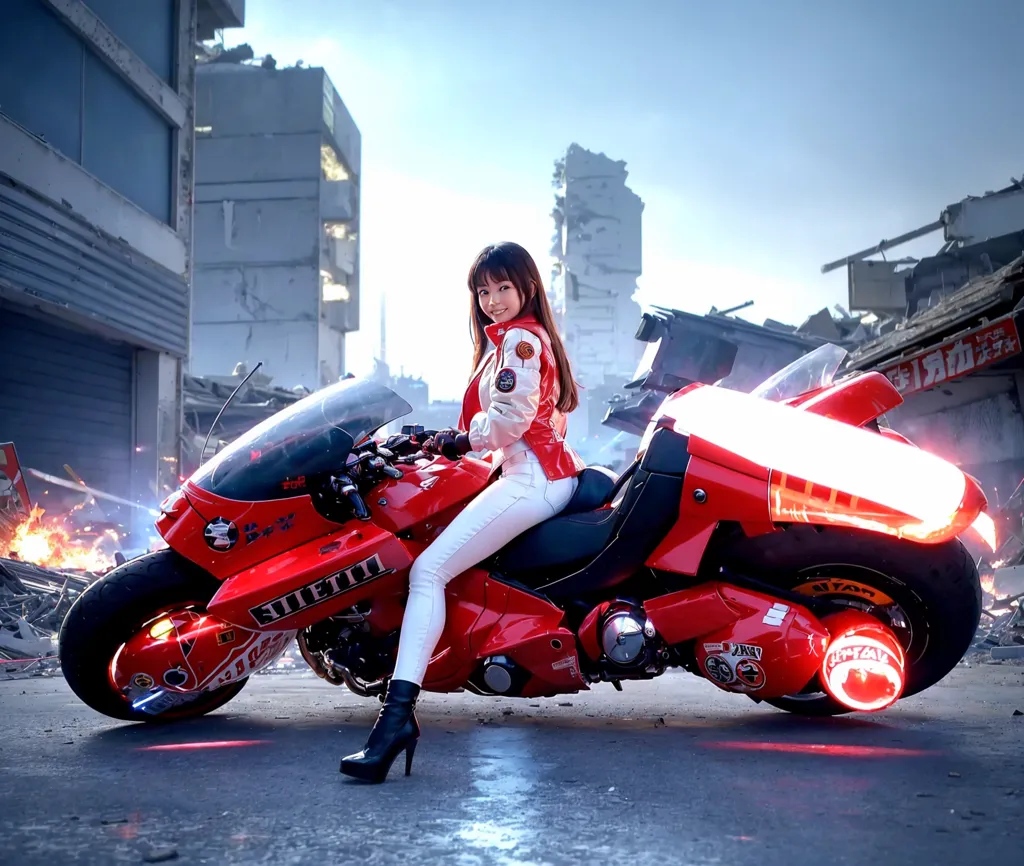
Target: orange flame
50 544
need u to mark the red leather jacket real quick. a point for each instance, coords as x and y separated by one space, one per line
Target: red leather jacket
519 403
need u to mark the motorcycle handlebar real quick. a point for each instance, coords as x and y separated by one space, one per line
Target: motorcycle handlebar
359 508
344 486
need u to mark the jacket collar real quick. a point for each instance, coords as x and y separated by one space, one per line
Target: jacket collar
496 331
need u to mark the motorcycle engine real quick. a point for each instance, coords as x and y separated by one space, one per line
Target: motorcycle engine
625 635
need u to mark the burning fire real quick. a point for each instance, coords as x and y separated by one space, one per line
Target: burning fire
988 583
50 544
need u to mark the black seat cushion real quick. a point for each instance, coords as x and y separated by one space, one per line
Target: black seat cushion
594 487
575 555
555 547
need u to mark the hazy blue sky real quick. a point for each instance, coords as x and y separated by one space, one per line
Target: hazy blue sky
766 137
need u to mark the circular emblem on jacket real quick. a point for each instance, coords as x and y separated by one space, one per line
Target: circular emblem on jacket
220 534
505 380
525 351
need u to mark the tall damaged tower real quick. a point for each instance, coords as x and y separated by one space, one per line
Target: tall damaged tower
276 277
597 248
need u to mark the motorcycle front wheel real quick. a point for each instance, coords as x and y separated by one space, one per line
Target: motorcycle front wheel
929 595
116 607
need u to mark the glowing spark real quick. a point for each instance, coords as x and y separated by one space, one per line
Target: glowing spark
986 529
835 751
213 744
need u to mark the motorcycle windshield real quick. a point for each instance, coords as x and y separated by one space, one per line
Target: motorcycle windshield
810 372
309 438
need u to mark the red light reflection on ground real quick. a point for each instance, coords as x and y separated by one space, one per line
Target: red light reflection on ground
831 750
214 744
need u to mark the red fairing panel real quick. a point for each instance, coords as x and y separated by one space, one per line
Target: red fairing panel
832 455
590 642
428 490
855 401
729 495
889 433
262 529
532 633
487 618
745 641
315 580
187 651
474 604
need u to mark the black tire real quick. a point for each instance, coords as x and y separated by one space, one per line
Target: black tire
113 609
936 587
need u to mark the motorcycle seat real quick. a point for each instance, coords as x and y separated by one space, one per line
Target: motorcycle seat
556 547
572 537
574 554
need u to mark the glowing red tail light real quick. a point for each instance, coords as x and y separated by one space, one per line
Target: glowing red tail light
864 667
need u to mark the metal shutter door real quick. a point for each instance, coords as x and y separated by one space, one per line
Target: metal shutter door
66 397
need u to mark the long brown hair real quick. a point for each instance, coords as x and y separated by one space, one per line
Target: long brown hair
509 261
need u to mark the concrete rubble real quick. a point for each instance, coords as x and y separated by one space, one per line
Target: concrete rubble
1000 634
33 603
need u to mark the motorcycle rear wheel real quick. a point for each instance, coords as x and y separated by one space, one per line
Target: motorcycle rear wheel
934 588
112 610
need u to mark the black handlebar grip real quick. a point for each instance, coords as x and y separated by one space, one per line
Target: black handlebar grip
359 508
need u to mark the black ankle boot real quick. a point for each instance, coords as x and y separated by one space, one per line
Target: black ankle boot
396 729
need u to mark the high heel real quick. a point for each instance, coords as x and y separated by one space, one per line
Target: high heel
396 730
410 750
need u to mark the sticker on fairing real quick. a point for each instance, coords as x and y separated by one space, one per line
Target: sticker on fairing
505 381
750 675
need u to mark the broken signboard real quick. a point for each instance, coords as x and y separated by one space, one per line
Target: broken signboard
960 356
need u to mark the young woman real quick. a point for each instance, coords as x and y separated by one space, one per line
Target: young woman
515 407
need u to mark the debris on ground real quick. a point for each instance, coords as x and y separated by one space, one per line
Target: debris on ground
33 604
1000 635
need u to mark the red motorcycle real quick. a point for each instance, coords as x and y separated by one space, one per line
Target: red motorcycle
783 544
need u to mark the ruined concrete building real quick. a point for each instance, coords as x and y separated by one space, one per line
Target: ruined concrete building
96 135
981 234
958 365
597 248
955 352
276 222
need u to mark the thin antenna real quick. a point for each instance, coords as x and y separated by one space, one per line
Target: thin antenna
383 330
202 456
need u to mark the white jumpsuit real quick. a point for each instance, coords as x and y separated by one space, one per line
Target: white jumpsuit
520 499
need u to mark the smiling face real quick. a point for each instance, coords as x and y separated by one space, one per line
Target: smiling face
499 300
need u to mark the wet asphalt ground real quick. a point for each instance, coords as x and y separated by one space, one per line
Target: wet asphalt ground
669 771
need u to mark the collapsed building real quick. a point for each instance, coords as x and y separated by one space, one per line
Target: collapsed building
957 364
597 250
96 171
276 277
945 329
682 348
955 352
